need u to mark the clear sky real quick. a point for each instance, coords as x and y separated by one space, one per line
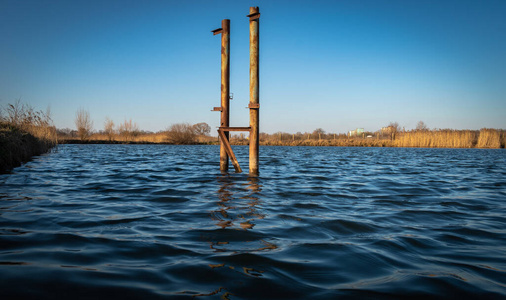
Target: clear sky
336 65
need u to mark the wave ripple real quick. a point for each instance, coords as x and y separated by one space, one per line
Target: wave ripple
159 221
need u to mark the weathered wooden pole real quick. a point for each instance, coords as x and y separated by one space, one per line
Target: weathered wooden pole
254 103
225 88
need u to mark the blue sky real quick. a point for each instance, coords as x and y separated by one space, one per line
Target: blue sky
336 65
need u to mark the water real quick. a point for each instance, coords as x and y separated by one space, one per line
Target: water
158 221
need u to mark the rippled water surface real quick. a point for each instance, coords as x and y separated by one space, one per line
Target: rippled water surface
159 221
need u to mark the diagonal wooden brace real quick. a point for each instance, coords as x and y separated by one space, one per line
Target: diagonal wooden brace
228 149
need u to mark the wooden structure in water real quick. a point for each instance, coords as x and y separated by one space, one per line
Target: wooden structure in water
226 152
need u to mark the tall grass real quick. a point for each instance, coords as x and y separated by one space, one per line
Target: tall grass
23 117
441 138
351 142
489 138
138 138
447 138
24 133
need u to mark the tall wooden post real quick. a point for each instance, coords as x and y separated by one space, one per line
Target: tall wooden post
254 103
225 89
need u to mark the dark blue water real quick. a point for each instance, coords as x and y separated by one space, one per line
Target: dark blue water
158 221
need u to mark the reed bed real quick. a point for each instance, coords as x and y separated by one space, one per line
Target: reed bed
139 138
148 138
352 142
25 118
440 138
443 138
24 133
489 138
421 138
447 138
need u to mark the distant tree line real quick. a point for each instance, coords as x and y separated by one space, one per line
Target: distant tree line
128 131
392 135
185 133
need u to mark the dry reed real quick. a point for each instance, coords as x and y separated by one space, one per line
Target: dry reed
24 133
139 138
352 142
445 138
489 138
25 118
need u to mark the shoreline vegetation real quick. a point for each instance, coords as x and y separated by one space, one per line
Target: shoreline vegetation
437 138
185 134
24 133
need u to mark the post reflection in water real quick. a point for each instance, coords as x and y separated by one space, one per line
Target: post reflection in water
239 209
238 213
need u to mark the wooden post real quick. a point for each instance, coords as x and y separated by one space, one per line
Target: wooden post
225 90
254 16
254 103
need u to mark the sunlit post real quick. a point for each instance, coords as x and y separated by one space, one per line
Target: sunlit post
254 104
225 87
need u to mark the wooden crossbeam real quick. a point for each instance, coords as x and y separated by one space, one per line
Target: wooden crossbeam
223 128
228 149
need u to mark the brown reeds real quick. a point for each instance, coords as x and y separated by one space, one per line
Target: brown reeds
24 133
489 138
438 138
441 138
26 119
352 142
139 138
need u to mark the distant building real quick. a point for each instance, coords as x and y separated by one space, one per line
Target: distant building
386 130
356 132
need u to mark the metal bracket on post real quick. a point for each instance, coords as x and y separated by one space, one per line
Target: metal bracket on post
253 16
217 31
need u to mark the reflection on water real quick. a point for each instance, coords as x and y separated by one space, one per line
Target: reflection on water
242 210
155 221
238 212
236 209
